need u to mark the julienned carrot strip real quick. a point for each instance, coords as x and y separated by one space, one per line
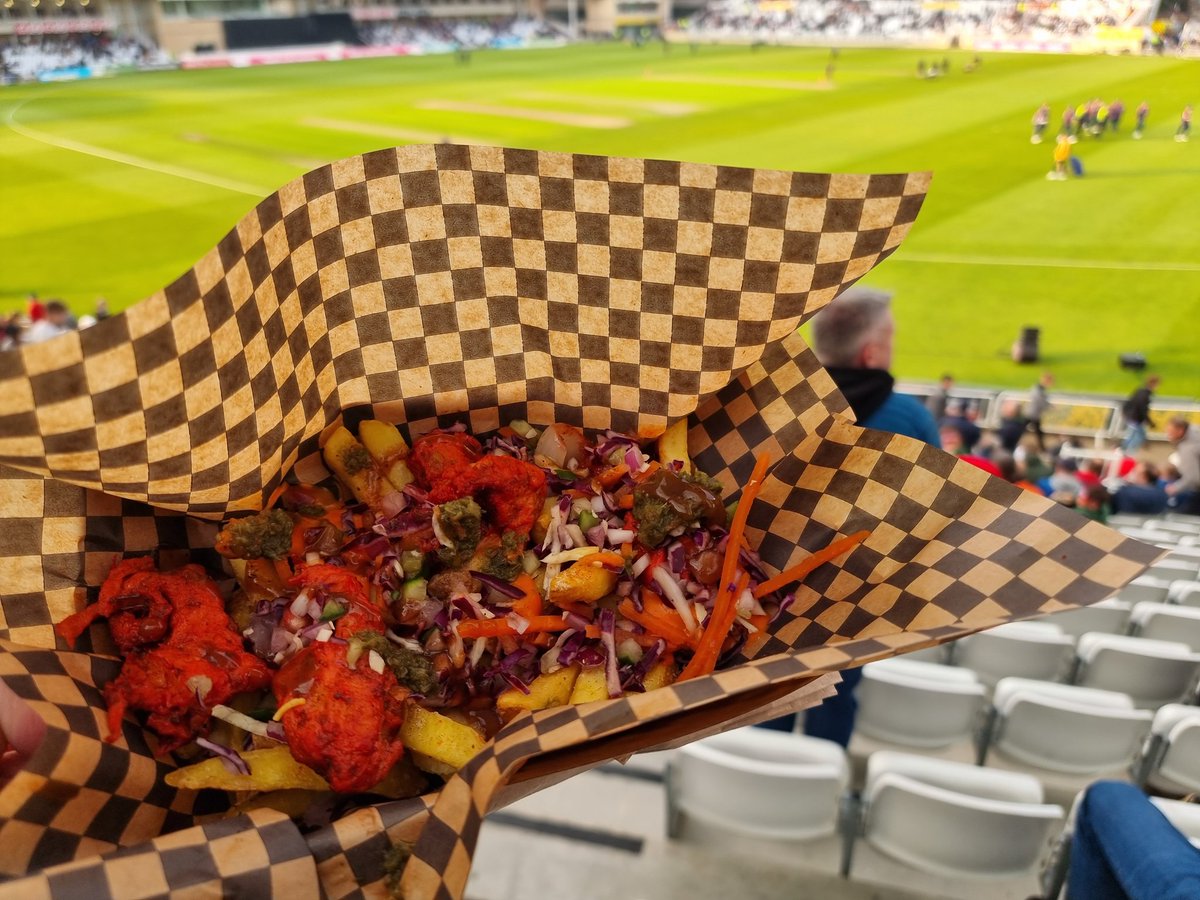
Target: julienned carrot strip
529 604
658 619
485 628
611 476
798 571
708 651
724 608
738 527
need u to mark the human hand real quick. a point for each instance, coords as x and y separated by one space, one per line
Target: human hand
21 733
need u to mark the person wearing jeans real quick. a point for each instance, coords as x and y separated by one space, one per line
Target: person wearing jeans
1124 848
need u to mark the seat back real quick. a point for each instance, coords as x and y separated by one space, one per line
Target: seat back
1066 728
759 783
1109 616
1173 570
906 705
1167 622
953 833
1145 588
1026 649
1152 672
1185 593
1181 760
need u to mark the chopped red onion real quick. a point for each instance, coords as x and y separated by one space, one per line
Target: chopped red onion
598 505
634 459
229 758
675 558
634 680
596 535
700 538
275 732
786 602
624 588
393 503
618 536
299 606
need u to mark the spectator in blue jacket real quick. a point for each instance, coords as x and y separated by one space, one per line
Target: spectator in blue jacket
853 338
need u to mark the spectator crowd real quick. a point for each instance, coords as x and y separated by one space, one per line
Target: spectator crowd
43 320
443 35
30 57
1018 451
912 19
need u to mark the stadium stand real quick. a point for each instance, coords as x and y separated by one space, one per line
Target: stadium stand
914 22
48 57
45 55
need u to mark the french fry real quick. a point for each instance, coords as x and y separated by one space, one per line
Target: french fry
272 769
660 675
354 467
388 449
590 685
545 691
673 446
582 582
432 736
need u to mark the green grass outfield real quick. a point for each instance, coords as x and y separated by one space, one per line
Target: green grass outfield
115 187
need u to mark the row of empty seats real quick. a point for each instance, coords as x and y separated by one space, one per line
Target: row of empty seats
1039 724
946 819
1149 667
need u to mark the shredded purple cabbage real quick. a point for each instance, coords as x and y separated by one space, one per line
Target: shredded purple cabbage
499 585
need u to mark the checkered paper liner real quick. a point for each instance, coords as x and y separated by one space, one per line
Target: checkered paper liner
430 285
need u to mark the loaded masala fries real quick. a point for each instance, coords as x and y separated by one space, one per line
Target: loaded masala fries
387 629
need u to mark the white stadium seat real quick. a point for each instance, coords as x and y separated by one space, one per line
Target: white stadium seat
1110 616
1185 593
759 783
955 819
1064 728
1173 570
1171 757
1026 649
1145 588
916 703
1188 526
1166 622
1151 672
1184 816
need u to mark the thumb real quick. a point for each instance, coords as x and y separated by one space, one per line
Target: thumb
21 733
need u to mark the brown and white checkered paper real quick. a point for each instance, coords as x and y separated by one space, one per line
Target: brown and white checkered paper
452 283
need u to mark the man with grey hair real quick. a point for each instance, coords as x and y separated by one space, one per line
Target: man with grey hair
852 338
